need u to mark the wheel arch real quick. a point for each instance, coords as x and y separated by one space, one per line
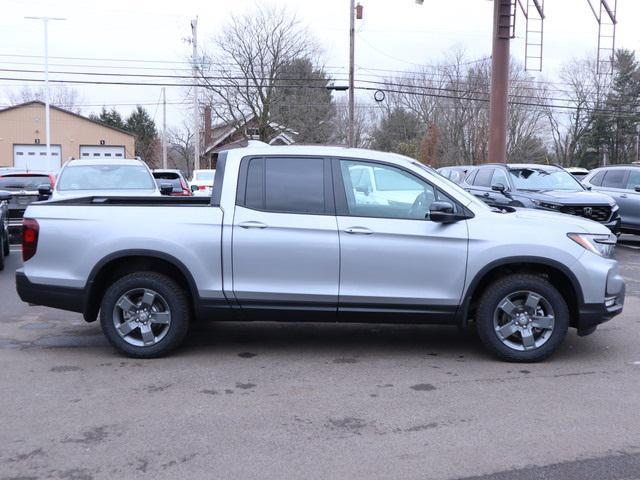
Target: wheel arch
558 274
118 264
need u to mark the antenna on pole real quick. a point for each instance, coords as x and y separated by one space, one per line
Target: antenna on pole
607 21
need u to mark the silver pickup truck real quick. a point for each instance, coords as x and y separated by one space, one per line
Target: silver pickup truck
300 233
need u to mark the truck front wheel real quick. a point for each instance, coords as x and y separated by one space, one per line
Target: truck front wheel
522 318
145 314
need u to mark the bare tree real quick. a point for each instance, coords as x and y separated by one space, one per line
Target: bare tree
181 147
364 122
62 96
585 91
251 52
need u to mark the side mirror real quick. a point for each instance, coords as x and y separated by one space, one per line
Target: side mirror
363 189
442 212
499 187
194 188
5 196
637 189
166 188
44 191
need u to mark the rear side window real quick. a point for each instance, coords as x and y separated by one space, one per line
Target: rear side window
597 178
286 185
615 179
483 178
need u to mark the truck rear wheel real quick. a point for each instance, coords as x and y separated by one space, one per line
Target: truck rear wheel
522 318
145 315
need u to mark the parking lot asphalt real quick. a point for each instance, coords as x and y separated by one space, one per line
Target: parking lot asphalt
269 400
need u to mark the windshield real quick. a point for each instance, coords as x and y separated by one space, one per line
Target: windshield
205 175
538 179
105 177
23 182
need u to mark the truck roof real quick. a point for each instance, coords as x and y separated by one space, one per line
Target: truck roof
320 150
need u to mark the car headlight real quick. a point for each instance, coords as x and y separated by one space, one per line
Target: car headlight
600 244
547 205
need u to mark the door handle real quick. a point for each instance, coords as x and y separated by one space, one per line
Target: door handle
486 194
358 231
624 195
252 224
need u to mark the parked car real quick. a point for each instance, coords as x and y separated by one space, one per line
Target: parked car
622 182
286 235
578 172
544 187
202 182
176 179
122 177
24 188
5 197
456 173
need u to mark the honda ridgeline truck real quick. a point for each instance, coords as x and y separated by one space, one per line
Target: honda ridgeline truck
293 233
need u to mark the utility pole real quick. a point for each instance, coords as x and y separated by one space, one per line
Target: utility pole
196 112
164 127
47 95
352 44
503 17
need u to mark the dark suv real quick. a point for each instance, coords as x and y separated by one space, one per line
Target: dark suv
545 187
622 182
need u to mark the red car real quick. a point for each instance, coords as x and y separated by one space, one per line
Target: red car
174 177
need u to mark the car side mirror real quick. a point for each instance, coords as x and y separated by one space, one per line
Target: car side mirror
499 187
5 196
166 188
442 212
637 189
194 188
44 191
363 189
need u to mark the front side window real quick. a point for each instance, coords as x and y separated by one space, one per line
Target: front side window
286 185
393 193
615 178
483 178
105 177
499 177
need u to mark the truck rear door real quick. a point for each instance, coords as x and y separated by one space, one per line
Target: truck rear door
285 248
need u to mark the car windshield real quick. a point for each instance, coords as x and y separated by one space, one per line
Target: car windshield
23 182
539 179
105 177
205 175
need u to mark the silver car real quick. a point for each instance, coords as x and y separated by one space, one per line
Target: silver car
622 182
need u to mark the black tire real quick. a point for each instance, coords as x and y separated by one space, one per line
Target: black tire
169 291
489 305
3 242
6 247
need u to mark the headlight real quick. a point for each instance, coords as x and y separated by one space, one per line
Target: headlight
600 244
547 205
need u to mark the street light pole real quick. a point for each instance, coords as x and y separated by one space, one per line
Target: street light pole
47 96
352 41
196 113
498 109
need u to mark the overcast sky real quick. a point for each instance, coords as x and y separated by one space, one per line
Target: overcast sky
394 35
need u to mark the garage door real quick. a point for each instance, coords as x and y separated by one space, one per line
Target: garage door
34 157
101 151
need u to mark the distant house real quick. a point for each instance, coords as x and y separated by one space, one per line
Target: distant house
23 138
225 136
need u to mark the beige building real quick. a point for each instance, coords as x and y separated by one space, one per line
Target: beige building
23 139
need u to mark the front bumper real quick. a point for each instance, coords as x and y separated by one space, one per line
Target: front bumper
590 315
